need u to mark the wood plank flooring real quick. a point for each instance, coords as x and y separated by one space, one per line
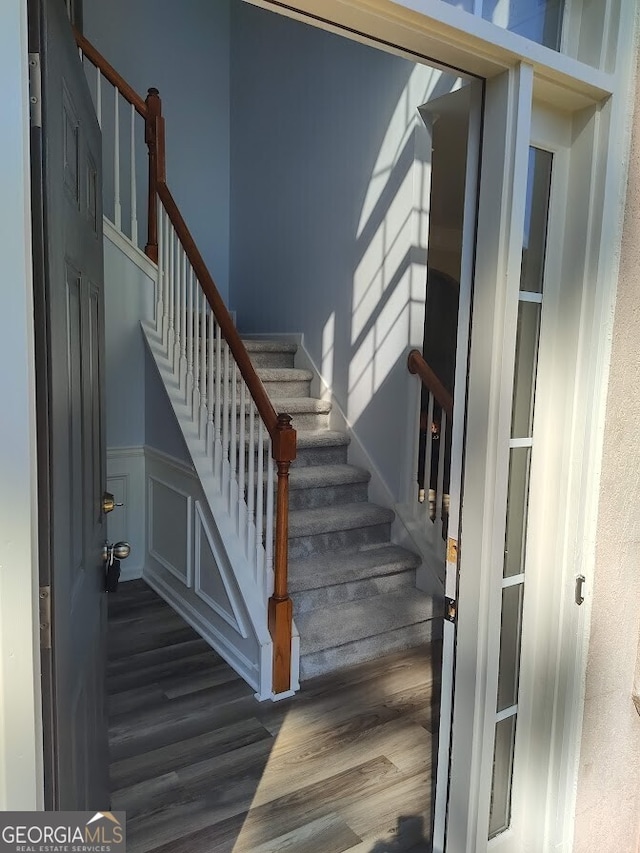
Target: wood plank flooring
201 767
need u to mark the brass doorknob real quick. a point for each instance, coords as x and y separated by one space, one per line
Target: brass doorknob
109 502
119 551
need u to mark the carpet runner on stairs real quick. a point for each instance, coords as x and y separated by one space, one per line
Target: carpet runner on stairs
354 592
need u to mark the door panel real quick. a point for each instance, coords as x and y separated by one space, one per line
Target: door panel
70 342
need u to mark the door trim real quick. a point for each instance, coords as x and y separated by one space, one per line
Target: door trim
21 773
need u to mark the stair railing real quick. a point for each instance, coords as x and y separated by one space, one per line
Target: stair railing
434 454
226 402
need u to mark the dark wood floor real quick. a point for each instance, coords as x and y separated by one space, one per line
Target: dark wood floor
201 767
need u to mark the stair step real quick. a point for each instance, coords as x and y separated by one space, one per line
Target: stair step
348 633
271 353
308 413
286 381
336 577
330 528
335 567
327 485
321 447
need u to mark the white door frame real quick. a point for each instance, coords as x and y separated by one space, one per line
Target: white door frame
426 28
21 765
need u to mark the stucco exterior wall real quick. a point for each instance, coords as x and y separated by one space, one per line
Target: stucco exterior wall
608 800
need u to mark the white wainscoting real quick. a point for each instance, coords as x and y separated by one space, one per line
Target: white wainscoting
170 528
188 567
126 481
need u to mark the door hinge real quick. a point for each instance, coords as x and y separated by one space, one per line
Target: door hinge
44 610
35 90
450 609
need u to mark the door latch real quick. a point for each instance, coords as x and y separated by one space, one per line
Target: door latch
450 609
579 597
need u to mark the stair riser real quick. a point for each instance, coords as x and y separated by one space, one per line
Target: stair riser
286 388
304 421
272 359
327 496
304 546
329 455
311 599
330 660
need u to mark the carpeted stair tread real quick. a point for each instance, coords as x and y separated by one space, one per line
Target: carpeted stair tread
343 566
326 476
308 522
284 374
330 628
297 405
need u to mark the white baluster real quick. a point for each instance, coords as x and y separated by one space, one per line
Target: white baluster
431 496
183 318
226 381
160 282
171 335
211 374
233 452
217 455
190 312
99 96
260 579
202 423
441 459
242 454
196 350
269 520
166 272
134 190
116 162
177 344
251 460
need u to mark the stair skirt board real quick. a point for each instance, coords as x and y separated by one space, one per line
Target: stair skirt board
354 592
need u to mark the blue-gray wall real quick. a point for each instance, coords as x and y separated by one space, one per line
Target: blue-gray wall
323 186
183 50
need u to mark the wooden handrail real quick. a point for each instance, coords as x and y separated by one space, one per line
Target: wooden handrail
108 71
418 366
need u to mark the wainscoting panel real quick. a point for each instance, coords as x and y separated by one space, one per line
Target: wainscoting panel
187 565
212 585
169 528
125 480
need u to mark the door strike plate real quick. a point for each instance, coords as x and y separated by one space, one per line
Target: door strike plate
450 609
44 612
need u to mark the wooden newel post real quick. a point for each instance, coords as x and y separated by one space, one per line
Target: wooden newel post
280 605
154 137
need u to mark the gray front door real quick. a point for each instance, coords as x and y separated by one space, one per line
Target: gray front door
66 172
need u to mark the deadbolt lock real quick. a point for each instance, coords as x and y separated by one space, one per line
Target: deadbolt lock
109 502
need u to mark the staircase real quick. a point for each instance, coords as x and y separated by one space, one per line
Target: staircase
283 520
354 592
